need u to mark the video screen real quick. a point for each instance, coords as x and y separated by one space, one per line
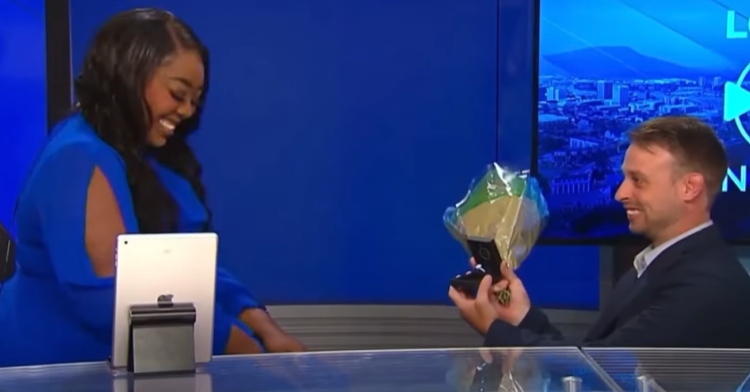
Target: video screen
607 65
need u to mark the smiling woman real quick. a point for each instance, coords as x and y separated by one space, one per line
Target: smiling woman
173 94
120 164
129 91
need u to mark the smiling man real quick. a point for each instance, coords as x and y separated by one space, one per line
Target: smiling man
673 172
687 289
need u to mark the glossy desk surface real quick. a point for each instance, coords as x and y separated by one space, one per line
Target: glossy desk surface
512 370
685 370
529 369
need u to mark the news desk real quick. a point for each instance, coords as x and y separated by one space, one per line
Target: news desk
528 369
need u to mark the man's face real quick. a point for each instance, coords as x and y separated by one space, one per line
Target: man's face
650 191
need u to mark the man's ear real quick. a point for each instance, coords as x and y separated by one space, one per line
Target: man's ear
693 184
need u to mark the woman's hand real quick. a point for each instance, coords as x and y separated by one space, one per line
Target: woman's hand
282 342
275 339
240 343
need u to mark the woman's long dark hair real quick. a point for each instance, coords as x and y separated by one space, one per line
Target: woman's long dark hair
110 94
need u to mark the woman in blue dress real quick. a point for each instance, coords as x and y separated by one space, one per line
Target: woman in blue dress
119 164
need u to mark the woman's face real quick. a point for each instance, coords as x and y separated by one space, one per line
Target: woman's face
173 93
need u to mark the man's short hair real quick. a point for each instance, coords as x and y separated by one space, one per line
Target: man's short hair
692 142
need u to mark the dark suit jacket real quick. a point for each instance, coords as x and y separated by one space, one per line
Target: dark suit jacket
694 294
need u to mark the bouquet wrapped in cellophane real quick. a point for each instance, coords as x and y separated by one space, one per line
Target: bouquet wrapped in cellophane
499 220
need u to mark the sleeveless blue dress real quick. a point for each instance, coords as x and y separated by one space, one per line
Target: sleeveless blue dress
55 309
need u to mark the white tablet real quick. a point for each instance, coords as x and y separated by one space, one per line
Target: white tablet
151 265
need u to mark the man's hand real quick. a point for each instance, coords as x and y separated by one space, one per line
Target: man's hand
519 304
482 311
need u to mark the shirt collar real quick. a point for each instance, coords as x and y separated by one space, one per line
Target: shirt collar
648 255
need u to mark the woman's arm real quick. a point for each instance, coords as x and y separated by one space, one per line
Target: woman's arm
236 300
260 322
274 338
83 206
233 297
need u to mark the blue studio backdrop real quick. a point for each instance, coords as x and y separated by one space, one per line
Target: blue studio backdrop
23 104
336 133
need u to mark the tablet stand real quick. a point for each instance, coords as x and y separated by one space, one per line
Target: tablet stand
162 338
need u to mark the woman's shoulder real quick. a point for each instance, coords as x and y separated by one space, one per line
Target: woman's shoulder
73 139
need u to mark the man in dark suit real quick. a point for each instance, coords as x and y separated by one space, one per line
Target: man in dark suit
687 289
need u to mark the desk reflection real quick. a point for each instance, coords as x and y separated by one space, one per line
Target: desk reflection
684 370
525 370
437 370
200 382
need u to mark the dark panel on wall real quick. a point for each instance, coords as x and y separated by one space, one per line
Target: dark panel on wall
57 16
556 276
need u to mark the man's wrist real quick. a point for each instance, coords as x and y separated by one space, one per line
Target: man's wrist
521 316
487 325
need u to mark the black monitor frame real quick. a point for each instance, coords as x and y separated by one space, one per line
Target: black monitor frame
58 59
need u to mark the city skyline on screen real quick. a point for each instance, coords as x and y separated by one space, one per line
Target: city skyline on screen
607 65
